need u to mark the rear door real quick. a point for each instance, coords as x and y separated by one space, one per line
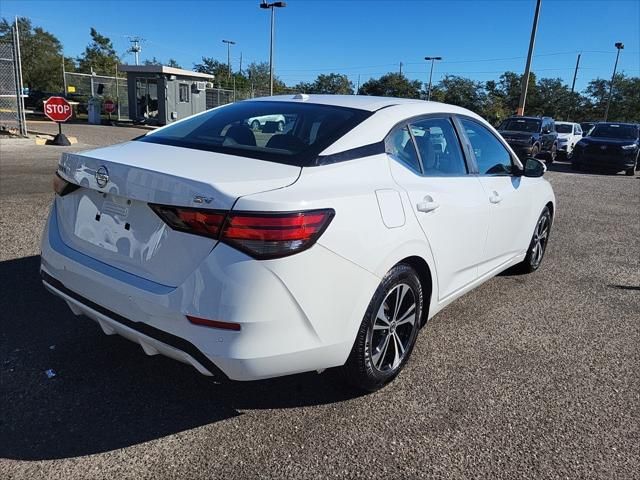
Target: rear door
449 203
504 194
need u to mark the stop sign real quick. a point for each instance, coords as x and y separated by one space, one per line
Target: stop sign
109 106
57 109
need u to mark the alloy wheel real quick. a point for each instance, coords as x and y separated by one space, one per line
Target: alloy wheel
540 236
392 331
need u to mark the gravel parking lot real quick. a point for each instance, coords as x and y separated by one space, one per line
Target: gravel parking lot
526 377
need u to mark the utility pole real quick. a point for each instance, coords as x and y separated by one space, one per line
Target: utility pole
229 43
400 68
135 48
272 6
573 85
432 59
358 87
240 63
527 70
64 78
619 46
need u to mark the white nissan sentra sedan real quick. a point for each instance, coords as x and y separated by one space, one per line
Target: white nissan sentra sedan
329 244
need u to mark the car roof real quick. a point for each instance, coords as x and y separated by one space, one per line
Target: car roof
566 123
361 102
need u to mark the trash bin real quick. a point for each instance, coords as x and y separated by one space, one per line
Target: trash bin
94 108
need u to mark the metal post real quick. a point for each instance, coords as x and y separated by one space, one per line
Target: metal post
271 52
91 81
117 93
527 70
432 59
430 77
64 78
619 46
23 118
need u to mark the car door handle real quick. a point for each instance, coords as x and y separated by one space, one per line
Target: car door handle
427 205
495 197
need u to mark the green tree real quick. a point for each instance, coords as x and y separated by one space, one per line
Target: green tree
152 61
392 85
258 76
213 67
462 92
333 83
173 63
41 54
99 55
625 101
552 99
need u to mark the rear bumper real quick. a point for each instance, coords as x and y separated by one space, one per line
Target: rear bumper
296 314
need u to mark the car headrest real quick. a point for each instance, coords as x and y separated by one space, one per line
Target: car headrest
242 135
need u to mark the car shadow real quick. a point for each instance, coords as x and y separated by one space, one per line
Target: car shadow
102 392
565 167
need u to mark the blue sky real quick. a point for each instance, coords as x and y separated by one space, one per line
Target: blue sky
478 39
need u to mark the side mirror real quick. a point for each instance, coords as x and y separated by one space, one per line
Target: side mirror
534 168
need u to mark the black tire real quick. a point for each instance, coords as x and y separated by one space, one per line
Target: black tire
629 172
553 154
535 151
576 166
255 125
376 357
533 259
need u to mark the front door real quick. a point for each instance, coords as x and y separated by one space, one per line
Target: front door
507 235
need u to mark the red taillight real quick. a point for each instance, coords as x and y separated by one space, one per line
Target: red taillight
191 220
214 323
261 235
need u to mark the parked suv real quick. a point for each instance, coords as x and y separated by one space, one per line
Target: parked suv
531 136
569 134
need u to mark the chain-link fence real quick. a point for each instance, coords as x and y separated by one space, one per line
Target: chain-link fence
80 87
12 115
222 96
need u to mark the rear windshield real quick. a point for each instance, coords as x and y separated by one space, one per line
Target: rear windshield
521 125
564 128
284 132
615 130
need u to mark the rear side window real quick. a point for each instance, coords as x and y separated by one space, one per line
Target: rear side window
400 146
439 147
491 156
284 132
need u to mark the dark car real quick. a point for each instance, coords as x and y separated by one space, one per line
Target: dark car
587 126
531 136
609 146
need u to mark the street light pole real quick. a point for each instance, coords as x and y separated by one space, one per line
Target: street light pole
272 6
432 59
619 46
527 69
229 43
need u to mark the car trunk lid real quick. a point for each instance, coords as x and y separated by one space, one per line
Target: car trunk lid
110 218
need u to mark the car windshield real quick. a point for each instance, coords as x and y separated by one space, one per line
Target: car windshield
615 130
586 127
521 125
284 132
564 128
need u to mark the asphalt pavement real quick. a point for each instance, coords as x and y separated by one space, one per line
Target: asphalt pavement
528 376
